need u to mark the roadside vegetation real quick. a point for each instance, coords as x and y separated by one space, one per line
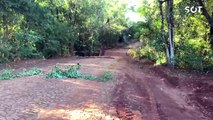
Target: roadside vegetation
170 34
192 41
58 73
9 73
49 28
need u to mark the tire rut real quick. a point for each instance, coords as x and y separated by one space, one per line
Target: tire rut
132 101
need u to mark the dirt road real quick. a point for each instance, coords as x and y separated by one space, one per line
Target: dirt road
139 92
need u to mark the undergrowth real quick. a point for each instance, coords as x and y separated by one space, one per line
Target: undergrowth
31 72
68 72
74 72
106 76
57 72
9 73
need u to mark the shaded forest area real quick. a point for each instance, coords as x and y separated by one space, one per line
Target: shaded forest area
48 28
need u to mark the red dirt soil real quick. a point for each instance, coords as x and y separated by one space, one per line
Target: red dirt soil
141 91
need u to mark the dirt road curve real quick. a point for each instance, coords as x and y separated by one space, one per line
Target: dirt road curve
137 93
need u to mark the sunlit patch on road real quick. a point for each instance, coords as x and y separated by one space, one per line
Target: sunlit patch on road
88 112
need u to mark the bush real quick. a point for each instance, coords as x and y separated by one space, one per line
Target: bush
7 74
192 49
31 72
69 72
74 72
195 54
134 52
6 53
26 44
106 76
56 72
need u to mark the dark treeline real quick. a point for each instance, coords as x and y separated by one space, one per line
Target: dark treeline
47 28
169 32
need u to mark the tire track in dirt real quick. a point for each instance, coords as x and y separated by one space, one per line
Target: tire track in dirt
147 96
131 98
135 95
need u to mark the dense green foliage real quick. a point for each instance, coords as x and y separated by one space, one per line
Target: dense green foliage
57 72
192 43
47 28
69 72
31 72
74 72
106 76
9 73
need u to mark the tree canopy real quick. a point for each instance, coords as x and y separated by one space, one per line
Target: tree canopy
192 32
47 28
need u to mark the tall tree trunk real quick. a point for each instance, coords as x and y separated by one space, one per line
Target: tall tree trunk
163 33
71 49
170 20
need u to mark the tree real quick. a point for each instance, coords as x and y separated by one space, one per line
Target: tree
163 32
208 17
191 38
47 28
170 20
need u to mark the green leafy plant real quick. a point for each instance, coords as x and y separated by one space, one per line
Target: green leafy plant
33 71
74 72
56 73
68 72
7 74
106 76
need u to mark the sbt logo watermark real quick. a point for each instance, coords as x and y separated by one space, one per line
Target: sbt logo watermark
194 9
